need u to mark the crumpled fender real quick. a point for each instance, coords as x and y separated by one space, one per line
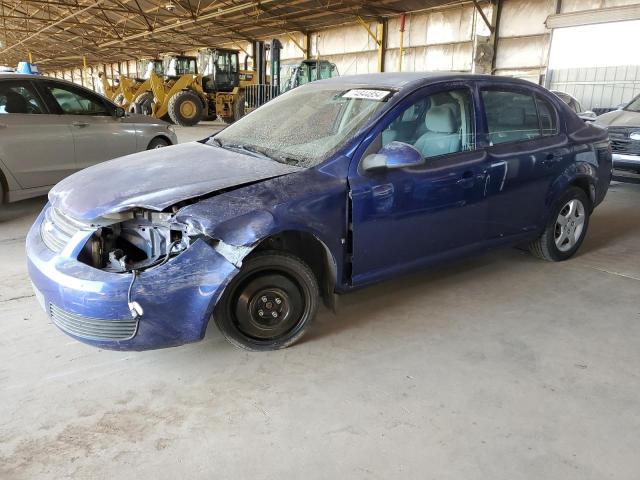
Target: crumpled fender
312 201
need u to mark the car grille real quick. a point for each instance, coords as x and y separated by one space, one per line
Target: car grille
57 229
92 328
620 141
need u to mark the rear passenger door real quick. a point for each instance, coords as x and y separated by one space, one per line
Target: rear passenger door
526 151
35 146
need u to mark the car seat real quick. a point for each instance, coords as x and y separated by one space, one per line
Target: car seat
443 132
16 103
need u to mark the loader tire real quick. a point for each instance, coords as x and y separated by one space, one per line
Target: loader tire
143 104
185 108
238 110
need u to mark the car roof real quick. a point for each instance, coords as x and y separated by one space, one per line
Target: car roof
402 80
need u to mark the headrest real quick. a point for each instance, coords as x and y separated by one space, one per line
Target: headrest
16 103
440 119
512 116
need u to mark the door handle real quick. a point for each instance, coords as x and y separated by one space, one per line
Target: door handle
80 124
467 180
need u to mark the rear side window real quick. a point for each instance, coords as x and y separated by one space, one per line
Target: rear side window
511 116
548 118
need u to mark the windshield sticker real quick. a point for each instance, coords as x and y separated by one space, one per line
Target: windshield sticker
375 95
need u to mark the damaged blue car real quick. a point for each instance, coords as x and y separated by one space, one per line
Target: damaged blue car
332 186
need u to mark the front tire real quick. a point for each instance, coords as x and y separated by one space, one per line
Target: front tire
185 108
566 228
158 142
270 304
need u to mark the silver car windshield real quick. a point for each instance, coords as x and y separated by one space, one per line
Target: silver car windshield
303 127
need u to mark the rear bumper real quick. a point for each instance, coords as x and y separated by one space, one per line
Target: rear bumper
627 162
91 305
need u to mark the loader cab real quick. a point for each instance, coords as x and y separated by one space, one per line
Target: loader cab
178 65
220 69
146 67
294 75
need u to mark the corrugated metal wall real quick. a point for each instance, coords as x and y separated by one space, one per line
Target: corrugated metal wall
440 39
600 87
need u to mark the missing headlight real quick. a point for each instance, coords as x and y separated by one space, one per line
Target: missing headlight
145 241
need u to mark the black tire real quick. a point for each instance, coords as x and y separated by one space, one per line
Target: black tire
185 108
237 110
546 246
119 99
143 104
270 285
158 142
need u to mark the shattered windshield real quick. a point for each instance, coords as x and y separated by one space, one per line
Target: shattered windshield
303 127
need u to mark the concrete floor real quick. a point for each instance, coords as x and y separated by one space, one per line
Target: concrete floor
499 367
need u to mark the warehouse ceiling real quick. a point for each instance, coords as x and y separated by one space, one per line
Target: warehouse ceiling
59 33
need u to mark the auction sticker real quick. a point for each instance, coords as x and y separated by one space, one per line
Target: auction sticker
375 95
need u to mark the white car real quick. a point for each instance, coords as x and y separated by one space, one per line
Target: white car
51 128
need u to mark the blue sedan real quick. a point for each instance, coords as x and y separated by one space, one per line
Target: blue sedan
332 186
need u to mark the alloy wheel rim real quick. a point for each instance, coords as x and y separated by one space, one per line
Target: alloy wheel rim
569 225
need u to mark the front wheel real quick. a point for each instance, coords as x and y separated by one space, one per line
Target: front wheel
269 304
158 142
566 229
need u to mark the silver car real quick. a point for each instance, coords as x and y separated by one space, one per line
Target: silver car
51 128
624 132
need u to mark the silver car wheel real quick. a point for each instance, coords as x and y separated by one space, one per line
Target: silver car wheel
569 225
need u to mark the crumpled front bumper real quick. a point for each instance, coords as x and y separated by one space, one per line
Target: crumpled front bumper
178 297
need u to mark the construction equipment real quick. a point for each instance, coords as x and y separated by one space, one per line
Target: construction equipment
187 96
129 88
295 74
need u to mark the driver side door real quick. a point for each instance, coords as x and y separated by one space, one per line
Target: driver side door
403 219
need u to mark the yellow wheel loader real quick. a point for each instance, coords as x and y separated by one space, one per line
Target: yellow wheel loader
187 97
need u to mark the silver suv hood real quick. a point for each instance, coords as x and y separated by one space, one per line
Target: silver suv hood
619 118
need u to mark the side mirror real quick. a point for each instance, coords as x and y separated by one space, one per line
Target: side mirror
119 112
393 155
587 116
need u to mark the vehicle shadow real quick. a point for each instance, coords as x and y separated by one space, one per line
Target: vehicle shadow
18 210
452 287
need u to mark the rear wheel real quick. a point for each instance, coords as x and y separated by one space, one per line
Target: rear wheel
566 229
269 304
143 104
185 108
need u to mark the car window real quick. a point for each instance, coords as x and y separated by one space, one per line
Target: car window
548 117
439 124
75 102
511 116
19 97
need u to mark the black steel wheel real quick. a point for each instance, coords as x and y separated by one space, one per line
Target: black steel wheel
269 304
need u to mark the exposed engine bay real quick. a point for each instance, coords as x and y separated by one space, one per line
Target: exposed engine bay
146 240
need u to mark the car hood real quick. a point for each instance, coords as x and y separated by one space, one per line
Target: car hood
157 179
619 118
